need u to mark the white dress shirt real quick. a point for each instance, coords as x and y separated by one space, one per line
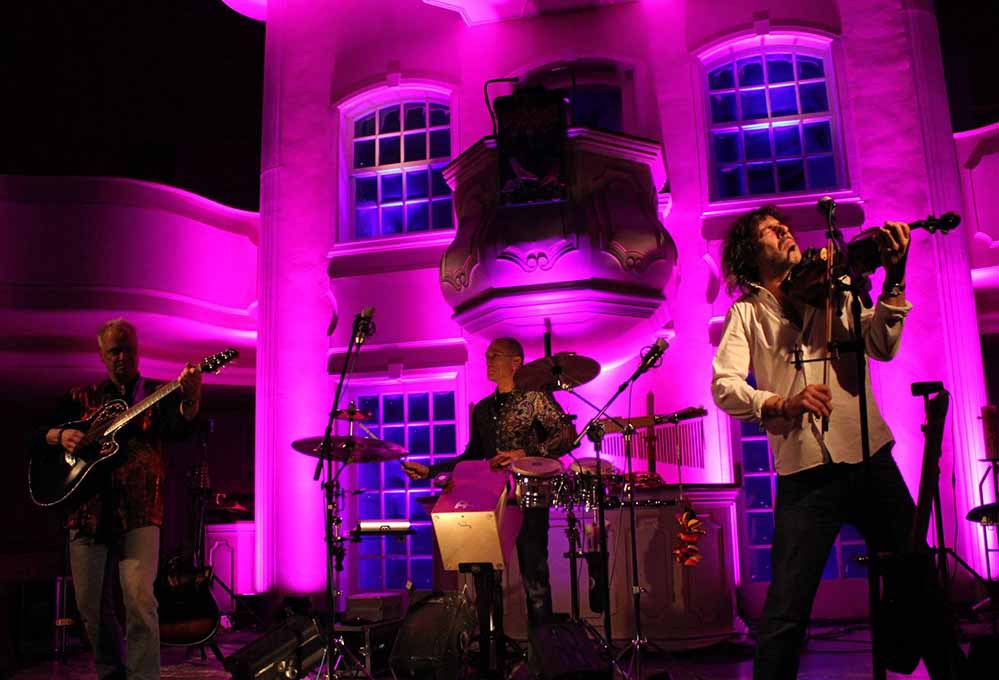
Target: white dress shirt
758 337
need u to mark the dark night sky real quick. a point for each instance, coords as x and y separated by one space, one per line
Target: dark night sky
170 90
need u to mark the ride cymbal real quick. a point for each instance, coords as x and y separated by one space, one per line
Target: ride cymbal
557 372
351 449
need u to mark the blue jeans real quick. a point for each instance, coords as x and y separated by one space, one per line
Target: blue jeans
810 509
136 555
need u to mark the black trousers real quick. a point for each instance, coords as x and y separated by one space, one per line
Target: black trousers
810 509
532 553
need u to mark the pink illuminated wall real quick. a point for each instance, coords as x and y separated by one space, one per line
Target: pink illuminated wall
327 60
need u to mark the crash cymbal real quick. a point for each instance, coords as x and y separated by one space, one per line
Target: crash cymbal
557 372
350 449
355 414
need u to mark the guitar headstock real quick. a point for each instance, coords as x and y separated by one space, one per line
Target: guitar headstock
214 363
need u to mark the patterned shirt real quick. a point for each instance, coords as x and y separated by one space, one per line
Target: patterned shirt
532 421
130 495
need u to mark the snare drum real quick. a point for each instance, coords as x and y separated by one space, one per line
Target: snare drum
539 481
584 487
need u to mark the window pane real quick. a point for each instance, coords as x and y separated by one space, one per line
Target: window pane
818 138
791 175
722 107
364 154
419 407
392 220
443 405
849 532
366 190
416 184
441 211
393 408
755 456
366 222
370 546
727 148
821 172
757 143
370 576
369 506
721 78
851 567
395 574
423 540
388 150
758 493
813 98
787 141
369 405
422 574
761 528
395 545
396 435
416 116
365 127
810 67
389 118
761 178
831 570
417 216
750 428
750 71
439 115
439 186
391 188
760 568
783 101
754 104
369 476
444 439
779 69
394 477
440 144
395 506
419 439
416 147
730 182
416 511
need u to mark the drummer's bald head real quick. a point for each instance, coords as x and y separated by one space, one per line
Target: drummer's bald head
510 346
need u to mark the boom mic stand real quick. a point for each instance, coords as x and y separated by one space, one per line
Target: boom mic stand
336 650
858 286
595 432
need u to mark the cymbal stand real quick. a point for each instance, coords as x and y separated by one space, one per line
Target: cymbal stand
336 651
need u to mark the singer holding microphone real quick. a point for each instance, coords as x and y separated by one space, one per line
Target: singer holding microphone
820 482
507 425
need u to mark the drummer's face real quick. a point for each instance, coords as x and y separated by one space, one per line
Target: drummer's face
501 363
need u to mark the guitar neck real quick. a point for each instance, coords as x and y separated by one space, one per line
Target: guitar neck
141 407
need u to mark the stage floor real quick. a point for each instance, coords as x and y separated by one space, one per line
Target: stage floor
831 654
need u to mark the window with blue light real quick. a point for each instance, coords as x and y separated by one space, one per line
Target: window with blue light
772 127
759 486
424 423
397 182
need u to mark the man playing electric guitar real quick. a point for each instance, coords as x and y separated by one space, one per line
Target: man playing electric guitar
118 525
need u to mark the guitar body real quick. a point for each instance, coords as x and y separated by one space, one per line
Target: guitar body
56 476
189 615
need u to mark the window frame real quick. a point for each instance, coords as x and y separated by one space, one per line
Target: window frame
358 106
733 49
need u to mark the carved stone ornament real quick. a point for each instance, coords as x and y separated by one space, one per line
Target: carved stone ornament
594 262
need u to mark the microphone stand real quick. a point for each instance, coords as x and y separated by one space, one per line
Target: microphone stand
858 288
595 432
336 649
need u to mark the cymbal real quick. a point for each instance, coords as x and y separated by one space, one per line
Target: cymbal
350 449
557 372
355 415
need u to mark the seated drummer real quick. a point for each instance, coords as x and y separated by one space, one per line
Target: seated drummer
507 425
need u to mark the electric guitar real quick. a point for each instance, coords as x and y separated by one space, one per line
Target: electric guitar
57 476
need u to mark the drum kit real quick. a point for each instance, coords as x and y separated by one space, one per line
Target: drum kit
588 484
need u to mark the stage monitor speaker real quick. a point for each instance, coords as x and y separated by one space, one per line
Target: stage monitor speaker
569 651
287 650
434 636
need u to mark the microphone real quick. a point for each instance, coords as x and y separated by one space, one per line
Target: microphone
363 327
653 355
925 389
826 205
